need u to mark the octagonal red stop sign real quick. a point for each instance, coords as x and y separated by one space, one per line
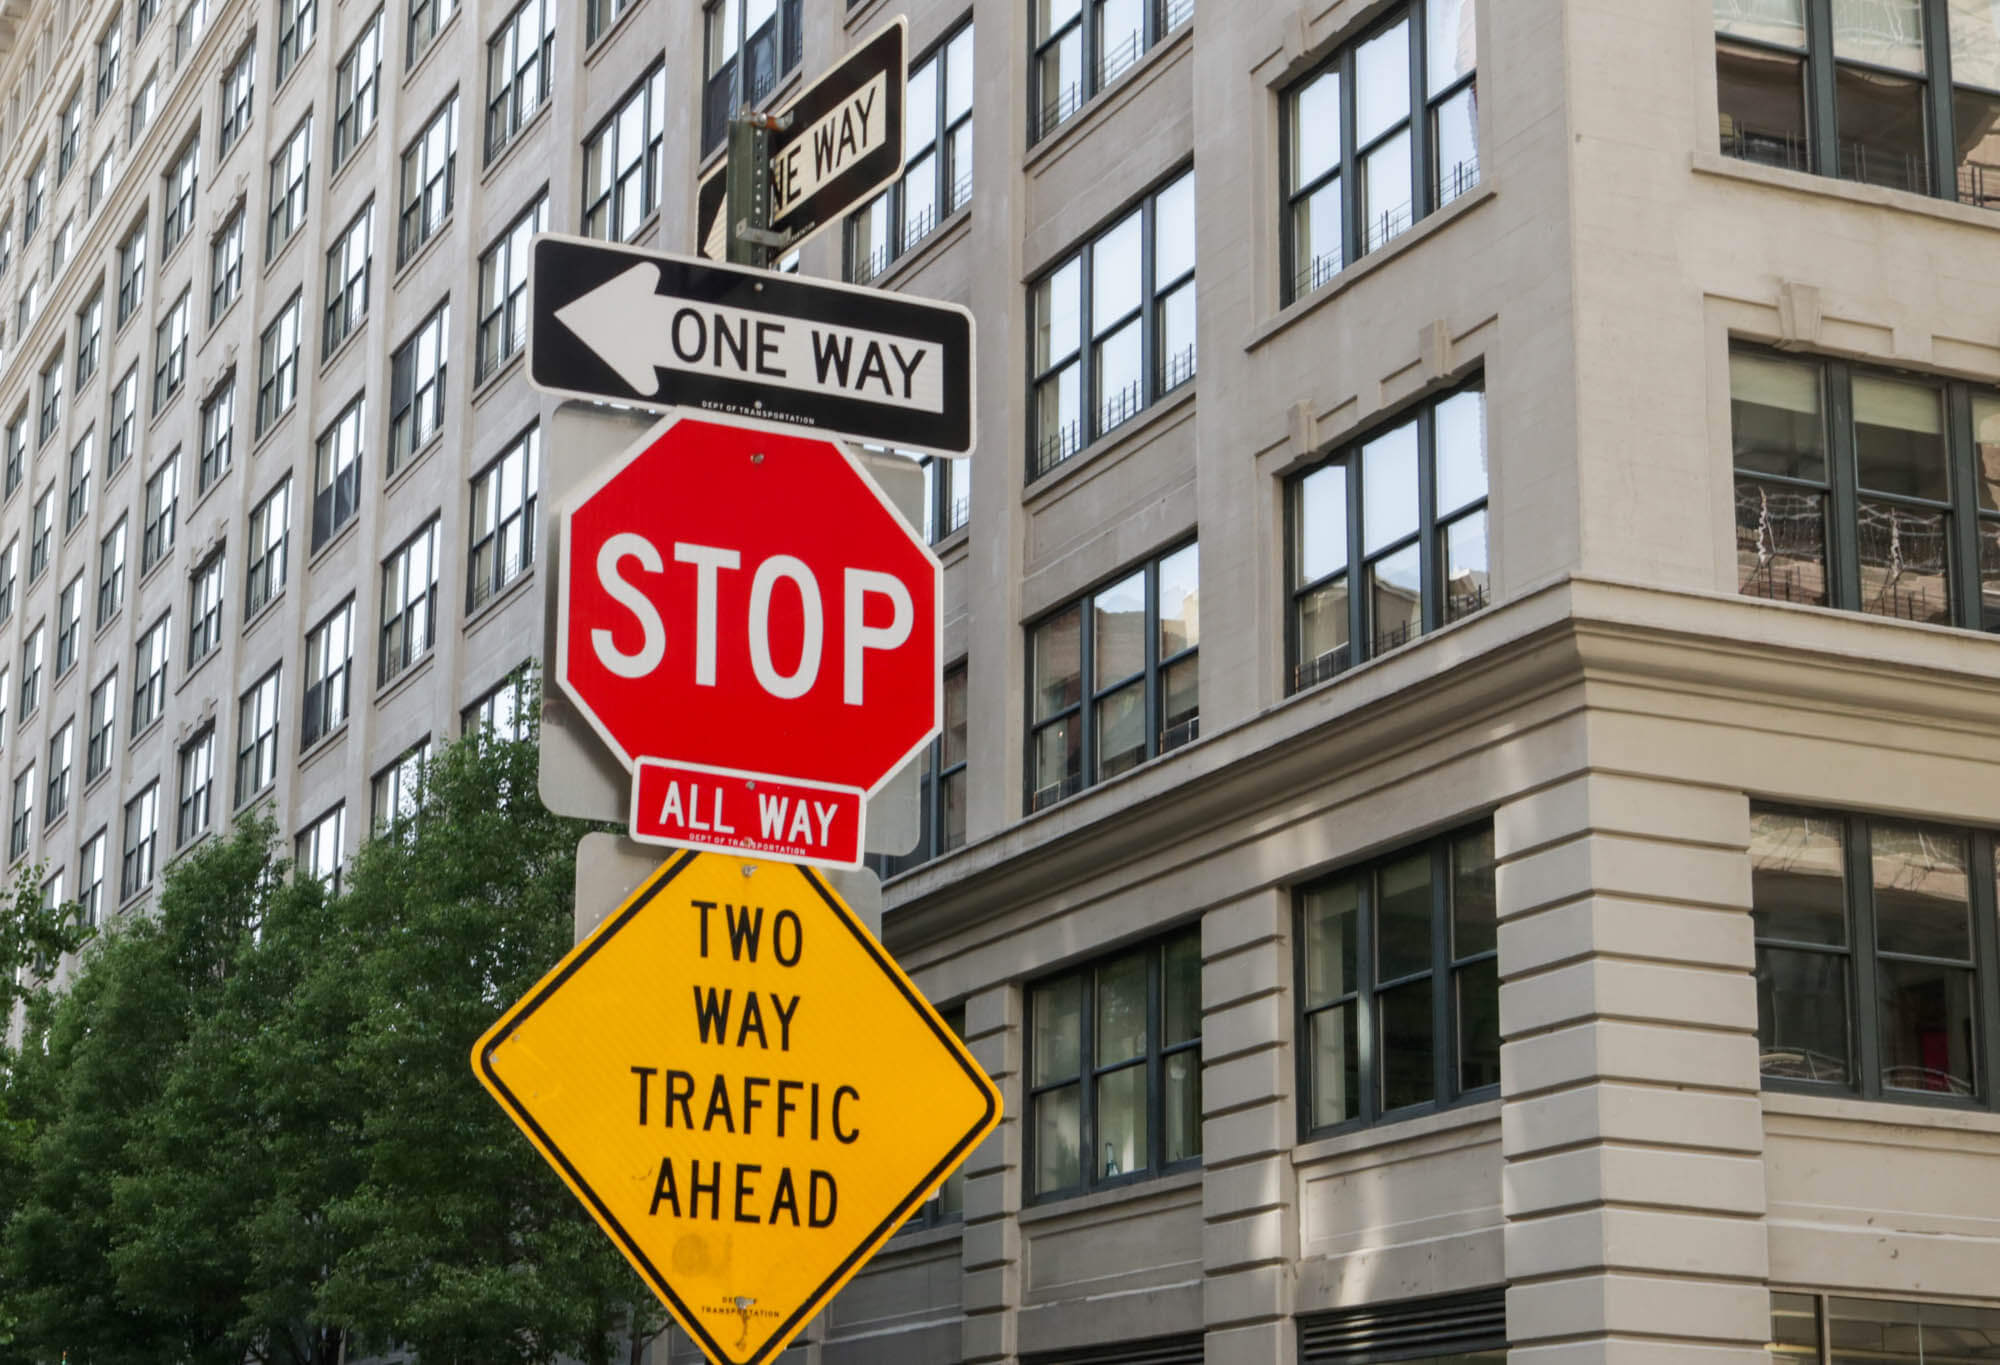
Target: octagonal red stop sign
753 629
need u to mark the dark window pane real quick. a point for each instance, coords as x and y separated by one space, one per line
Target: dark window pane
1989 573
1922 891
1780 542
1976 120
1058 760
1775 417
1986 451
1762 101
1121 731
1881 1332
1881 123
1795 1325
1182 1106
1323 627
1336 1066
1905 555
1332 927
1395 599
1797 882
1057 1020
1180 704
1927 1027
1802 1014
1057 1139
1405 1045
1121 1122
1403 917
1180 990
1058 663
1121 1009
1478 1024
1316 244
1899 439
1472 897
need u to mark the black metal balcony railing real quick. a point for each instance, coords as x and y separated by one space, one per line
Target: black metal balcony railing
1457 178
1059 445
1173 736
955 516
1057 108
1316 272
1177 370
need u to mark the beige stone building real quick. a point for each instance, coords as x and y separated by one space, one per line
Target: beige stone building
1468 819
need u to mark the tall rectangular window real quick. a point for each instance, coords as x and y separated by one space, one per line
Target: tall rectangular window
278 366
170 352
76 505
50 410
178 219
124 412
349 264
503 518
188 28
69 133
34 199
205 592
430 165
111 574
225 267
110 45
1114 1083
10 563
426 18
1114 326
291 169
30 305
238 82
69 624
41 528
503 713
298 20
520 64
103 728
23 809
257 737
1384 133
941 789
62 756
329 670
17 450
89 337
142 832
218 434
90 880
397 791
356 87
197 788
416 387
131 271
149 675
622 163
409 602
1082 46
503 288
1399 984
770 32
1388 538
162 504
600 15
337 473
145 104
269 547
1866 490
61 247
1113 678
99 188
937 163
319 849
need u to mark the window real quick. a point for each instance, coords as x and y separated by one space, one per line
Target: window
600 15
52 395
1078 54
1374 141
103 728
89 337
426 18
205 608
1855 489
143 16
941 778
278 366
329 668
100 180
937 163
9 566
23 811
503 518
109 45
145 104
238 83
398 788
621 163
124 408
17 449
178 219
1456 1329
337 473
34 199
503 288
69 624
502 713
289 171
6 241
188 30
1135 642
162 499
348 267
772 33
355 88
170 352
1399 984
39 531
34 651
947 496
1872 93
30 306
61 246
1816 1329
149 675
319 847
1114 1046
131 271
298 20
270 540
409 602
1873 938
519 67
429 165
62 753
90 880
416 388
225 267
1127 338
69 133
76 505
257 737
1422 560
197 787
142 830
111 574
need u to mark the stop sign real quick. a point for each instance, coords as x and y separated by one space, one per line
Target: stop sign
753 629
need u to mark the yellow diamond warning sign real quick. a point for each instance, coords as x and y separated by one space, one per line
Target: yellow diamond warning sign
744 1090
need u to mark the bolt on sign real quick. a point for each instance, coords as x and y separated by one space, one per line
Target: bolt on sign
692 1072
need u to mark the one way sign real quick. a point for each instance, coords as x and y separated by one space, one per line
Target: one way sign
653 330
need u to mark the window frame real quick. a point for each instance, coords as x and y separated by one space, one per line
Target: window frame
291 178
181 181
89 336
328 698
76 496
943 761
139 863
1158 21
218 434
503 321
412 624
507 109
61 768
298 25
781 35
426 192
110 54
69 625
152 656
170 348
101 738
131 271
257 721
337 481
278 365
238 96
347 288
206 592
950 191
429 16
357 93
307 845
158 527
490 532
604 214
417 397
111 572
268 539
225 266
195 810
124 420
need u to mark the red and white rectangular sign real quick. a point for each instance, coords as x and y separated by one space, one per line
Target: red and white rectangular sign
690 806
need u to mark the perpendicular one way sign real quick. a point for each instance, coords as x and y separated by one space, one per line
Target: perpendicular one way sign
745 1091
655 330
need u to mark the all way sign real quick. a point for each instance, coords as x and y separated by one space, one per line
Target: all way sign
843 143
655 330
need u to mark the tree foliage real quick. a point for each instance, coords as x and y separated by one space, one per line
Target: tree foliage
247 1128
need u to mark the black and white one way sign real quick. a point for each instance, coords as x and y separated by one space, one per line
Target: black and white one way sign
653 330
